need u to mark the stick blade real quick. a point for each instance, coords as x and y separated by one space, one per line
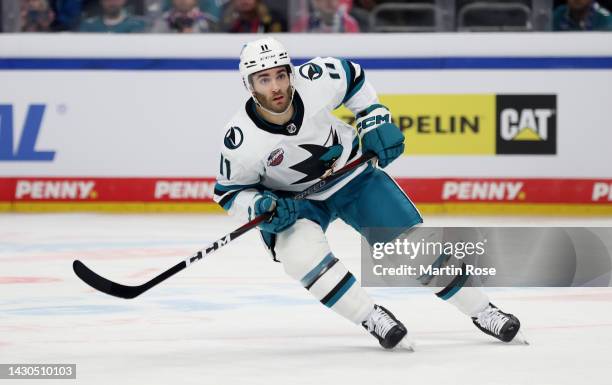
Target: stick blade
104 285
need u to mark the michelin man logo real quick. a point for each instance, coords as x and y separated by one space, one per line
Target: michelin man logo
233 138
311 71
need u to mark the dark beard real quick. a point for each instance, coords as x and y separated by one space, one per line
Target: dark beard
270 106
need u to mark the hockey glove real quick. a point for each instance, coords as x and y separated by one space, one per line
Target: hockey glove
379 134
285 210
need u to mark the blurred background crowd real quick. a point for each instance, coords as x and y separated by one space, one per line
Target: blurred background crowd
317 16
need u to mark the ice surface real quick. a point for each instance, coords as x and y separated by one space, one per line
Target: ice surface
235 318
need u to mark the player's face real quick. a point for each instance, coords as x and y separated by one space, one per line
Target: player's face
272 88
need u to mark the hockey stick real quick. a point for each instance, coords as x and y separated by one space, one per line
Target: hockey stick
123 291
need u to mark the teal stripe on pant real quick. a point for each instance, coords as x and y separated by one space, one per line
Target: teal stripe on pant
314 274
454 286
338 291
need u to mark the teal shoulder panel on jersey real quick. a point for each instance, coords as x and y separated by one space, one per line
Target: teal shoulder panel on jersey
354 82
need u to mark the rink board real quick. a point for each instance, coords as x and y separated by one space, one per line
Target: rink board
494 124
431 195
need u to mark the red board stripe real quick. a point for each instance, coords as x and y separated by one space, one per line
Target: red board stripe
421 190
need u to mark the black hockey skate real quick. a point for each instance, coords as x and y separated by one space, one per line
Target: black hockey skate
383 325
496 323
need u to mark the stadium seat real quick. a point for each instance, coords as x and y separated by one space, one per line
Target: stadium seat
494 16
405 17
9 16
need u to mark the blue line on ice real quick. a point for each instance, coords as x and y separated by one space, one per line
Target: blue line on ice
84 310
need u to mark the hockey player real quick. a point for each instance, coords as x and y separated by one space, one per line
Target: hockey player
285 139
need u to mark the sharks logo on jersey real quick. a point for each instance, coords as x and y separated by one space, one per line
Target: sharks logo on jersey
322 158
233 138
311 71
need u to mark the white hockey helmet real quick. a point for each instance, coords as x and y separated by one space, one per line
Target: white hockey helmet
262 54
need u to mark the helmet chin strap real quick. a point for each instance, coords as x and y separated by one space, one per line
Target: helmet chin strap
270 111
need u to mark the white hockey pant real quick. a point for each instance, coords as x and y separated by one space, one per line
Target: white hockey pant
469 300
306 257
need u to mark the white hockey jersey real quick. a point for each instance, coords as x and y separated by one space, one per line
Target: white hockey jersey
257 155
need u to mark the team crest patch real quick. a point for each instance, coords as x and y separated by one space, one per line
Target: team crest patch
311 71
233 138
276 157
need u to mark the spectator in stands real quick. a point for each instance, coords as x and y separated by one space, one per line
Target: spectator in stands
327 16
211 7
361 12
114 19
67 14
244 16
582 15
185 16
36 16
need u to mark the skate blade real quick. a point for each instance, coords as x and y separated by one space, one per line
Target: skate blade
520 339
407 344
